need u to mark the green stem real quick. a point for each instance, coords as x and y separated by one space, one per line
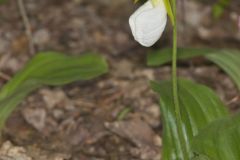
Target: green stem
175 86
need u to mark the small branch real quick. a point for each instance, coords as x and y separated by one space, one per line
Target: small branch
234 100
27 25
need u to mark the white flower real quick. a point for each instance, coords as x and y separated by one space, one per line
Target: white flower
148 23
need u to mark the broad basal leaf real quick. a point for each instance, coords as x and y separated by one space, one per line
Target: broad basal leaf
199 107
228 60
220 140
160 57
48 69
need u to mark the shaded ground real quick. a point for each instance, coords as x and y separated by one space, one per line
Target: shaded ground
81 121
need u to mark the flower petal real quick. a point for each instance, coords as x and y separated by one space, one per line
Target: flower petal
148 23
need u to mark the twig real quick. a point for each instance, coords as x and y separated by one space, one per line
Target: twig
233 100
27 25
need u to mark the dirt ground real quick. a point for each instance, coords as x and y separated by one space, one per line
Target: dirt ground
85 120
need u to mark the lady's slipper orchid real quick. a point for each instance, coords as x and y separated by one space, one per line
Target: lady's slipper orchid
148 22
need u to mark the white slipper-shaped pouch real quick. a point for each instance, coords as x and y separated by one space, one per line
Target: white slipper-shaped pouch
148 22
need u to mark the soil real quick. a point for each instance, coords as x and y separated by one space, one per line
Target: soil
81 121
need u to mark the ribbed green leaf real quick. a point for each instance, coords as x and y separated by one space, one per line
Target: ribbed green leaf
228 60
160 57
48 68
220 140
199 107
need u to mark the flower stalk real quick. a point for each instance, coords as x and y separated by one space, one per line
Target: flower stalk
175 85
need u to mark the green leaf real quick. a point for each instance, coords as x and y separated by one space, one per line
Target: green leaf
199 107
228 60
160 57
220 140
48 68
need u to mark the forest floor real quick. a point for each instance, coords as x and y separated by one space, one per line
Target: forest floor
81 121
